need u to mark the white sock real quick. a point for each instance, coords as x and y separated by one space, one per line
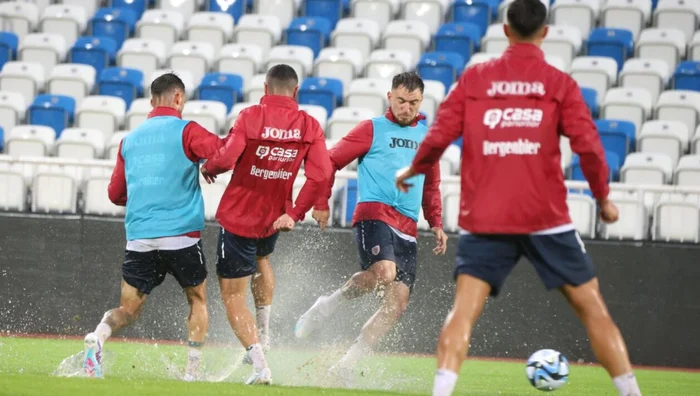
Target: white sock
103 331
332 302
262 317
626 385
445 381
359 349
257 355
194 353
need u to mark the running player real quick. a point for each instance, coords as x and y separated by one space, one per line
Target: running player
157 167
385 220
267 146
511 112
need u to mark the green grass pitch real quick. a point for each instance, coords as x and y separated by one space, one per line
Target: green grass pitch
27 367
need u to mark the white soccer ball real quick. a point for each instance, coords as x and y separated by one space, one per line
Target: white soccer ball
547 370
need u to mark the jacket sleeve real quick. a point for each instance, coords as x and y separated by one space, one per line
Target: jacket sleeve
318 170
447 127
354 145
117 184
227 156
199 143
432 199
575 122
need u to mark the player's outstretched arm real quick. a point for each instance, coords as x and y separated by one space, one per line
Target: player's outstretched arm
117 184
226 157
199 143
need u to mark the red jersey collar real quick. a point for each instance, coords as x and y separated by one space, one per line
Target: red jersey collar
524 50
279 100
162 111
390 116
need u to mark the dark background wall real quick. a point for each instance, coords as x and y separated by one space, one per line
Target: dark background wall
59 275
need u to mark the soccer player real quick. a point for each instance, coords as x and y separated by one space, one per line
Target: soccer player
511 113
385 220
266 146
157 168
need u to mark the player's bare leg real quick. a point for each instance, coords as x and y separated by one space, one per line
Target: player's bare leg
233 292
453 344
130 308
607 342
263 287
197 325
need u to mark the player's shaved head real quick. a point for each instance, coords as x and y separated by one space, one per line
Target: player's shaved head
281 80
168 90
526 20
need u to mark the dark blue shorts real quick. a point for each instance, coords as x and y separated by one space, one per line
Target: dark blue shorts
376 241
146 270
236 255
559 259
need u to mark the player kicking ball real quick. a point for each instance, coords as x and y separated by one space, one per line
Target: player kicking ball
385 219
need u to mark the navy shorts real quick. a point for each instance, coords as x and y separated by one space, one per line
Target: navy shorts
376 241
146 270
559 259
236 254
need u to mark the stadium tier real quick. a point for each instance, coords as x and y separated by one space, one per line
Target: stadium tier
74 79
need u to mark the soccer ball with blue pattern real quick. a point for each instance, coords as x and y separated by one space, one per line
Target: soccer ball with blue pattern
547 370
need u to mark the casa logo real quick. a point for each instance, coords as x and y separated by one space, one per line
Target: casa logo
513 117
516 88
404 143
276 154
281 134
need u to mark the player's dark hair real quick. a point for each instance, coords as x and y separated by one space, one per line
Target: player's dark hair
409 80
166 83
526 17
282 78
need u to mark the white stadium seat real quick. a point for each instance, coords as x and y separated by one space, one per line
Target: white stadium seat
212 193
632 15
80 143
357 33
688 171
207 113
451 160
666 44
411 36
96 199
163 25
647 168
433 95
193 56
582 14
633 223
631 104
283 10
694 47
26 78
235 111
105 113
54 193
90 6
597 72
677 219
138 112
481 57
66 20
431 12
265 31
255 89
450 205
13 190
186 8
380 11
345 119
384 63
495 40
300 58
369 93
650 74
215 28
241 59
317 112
566 153
12 109
43 48
72 79
582 210
114 142
30 140
666 137
185 75
564 42
557 62
344 64
679 105
145 54
678 14
23 16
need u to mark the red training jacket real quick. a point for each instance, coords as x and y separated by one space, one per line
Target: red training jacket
358 143
267 145
511 112
197 142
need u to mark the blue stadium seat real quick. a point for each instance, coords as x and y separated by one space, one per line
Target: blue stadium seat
325 92
8 47
312 32
98 52
349 194
479 12
332 10
115 23
687 76
121 82
2 139
617 136
55 111
613 164
223 87
235 8
464 38
137 6
590 96
614 43
458 142
441 66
